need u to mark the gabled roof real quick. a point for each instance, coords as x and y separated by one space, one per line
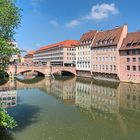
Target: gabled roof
113 34
66 44
29 54
88 36
132 41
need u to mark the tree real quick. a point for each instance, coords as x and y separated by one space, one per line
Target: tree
9 21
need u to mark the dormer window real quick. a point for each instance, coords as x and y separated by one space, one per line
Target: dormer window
100 42
97 43
134 44
111 40
105 41
129 44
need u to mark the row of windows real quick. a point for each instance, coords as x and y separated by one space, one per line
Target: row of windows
134 68
83 47
83 66
70 49
70 58
131 52
84 58
104 42
104 67
70 53
105 49
133 44
84 53
85 62
112 58
133 60
86 42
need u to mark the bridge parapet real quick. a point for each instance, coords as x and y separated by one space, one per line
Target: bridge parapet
46 70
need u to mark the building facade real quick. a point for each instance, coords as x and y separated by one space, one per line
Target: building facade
59 54
83 54
105 53
130 58
28 58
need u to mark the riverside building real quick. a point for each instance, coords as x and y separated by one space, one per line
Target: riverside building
28 58
105 53
130 58
58 54
83 54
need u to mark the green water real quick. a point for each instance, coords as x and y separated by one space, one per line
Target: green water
72 109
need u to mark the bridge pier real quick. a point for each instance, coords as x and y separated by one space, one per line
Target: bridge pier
12 76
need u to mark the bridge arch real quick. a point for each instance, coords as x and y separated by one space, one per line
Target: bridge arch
67 73
60 70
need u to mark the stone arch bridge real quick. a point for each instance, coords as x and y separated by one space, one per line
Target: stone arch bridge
45 70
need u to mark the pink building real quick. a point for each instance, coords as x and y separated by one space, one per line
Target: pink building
105 53
130 58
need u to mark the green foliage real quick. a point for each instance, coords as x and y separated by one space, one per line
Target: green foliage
9 18
6 121
9 21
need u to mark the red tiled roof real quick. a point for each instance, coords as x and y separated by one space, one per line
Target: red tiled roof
66 43
108 35
130 40
31 52
88 36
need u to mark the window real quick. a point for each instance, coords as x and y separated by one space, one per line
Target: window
114 67
128 52
128 59
114 58
134 59
106 67
134 44
129 44
111 67
134 68
133 52
128 67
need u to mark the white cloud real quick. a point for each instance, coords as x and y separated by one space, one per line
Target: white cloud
54 23
98 12
102 11
73 23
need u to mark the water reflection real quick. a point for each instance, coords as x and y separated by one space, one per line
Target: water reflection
64 90
8 98
8 95
97 109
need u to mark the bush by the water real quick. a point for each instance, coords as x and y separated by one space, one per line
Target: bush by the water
6 121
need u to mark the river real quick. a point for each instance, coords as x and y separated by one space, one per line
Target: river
72 109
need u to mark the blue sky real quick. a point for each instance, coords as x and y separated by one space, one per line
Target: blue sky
49 21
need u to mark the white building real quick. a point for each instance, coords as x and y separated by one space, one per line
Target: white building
83 54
